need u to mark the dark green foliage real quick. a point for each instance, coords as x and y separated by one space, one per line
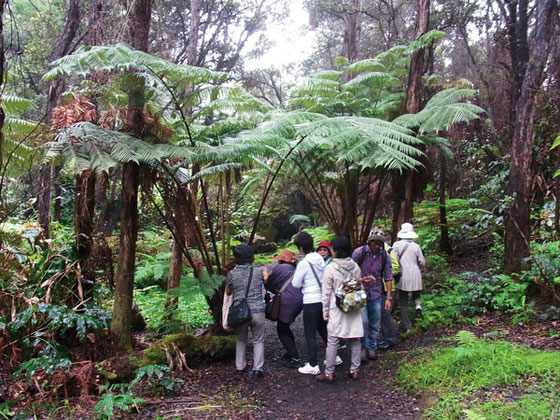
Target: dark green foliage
545 268
111 399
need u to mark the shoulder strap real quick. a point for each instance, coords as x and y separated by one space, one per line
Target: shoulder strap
315 274
399 256
287 282
249 283
383 264
362 256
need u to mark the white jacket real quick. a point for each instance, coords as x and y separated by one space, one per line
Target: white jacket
305 280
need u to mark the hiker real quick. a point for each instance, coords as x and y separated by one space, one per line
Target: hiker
246 281
388 329
375 264
341 325
411 259
324 250
307 277
291 303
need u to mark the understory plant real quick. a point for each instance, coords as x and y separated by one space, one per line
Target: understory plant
459 376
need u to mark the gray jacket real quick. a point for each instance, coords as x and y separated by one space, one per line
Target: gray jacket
238 278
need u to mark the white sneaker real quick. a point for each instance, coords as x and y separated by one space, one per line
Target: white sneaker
309 370
337 362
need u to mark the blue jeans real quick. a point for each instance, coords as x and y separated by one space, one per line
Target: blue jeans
371 316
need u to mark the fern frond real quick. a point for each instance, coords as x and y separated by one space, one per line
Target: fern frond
424 40
19 126
373 78
440 143
369 65
14 104
466 338
333 75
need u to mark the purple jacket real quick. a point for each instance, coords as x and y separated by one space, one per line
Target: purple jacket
292 298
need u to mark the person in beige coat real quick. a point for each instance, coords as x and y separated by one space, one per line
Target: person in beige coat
411 260
341 325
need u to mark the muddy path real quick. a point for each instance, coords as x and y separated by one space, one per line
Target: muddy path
216 392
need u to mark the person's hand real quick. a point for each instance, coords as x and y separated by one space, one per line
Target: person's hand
367 279
388 305
326 318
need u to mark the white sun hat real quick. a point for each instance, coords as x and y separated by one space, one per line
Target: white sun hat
407 232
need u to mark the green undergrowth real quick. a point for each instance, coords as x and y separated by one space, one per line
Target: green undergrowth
195 348
479 379
192 310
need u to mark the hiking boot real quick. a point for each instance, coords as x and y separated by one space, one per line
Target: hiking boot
353 375
323 377
337 362
240 371
307 369
257 374
386 345
372 354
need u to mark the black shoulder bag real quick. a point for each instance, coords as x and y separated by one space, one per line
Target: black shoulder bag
239 312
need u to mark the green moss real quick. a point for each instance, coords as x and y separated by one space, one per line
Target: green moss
195 348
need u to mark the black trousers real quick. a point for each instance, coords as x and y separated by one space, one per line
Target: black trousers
313 323
388 327
286 337
403 305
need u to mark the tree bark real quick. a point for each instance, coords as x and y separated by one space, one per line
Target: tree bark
352 32
444 242
54 89
176 266
412 101
84 206
2 112
124 284
517 218
139 27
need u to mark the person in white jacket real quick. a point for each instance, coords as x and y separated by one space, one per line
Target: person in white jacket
307 277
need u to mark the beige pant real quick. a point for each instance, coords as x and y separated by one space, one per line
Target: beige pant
256 325
332 349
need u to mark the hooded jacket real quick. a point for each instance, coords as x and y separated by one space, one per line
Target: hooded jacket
341 324
304 278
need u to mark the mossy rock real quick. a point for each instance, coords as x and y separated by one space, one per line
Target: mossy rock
195 348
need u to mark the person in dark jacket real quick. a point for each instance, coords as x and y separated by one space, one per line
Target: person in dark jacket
291 303
237 281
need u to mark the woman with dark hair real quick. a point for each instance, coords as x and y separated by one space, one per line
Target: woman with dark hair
246 281
307 277
341 325
291 303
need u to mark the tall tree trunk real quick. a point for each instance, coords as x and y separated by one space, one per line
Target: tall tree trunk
83 221
444 242
517 218
176 266
54 89
2 112
124 284
139 28
352 31
412 106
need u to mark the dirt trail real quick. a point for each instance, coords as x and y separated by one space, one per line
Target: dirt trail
286 394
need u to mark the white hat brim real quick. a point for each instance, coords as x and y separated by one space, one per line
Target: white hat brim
407 235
